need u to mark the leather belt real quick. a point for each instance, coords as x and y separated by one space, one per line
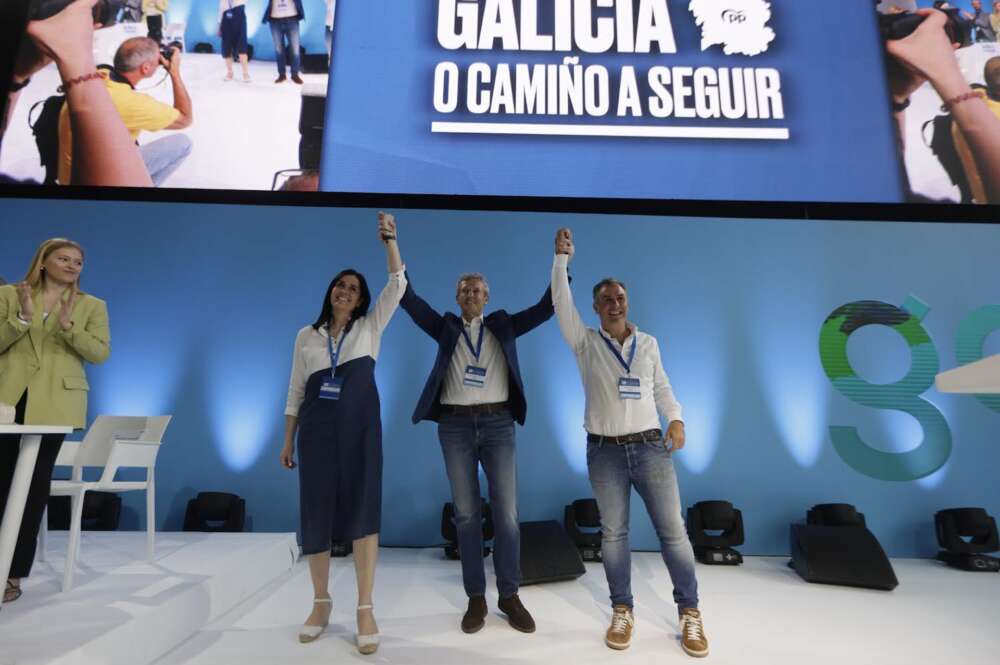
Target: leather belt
475 409
648 436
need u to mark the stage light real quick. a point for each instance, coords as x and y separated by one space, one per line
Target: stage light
720 516
215 512
954 526
450 533
836 547
584 513
835 514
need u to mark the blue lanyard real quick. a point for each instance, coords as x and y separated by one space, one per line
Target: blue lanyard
335 354
631 353
468 341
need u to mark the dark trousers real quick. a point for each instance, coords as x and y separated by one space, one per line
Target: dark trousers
38 492
467 442
154 25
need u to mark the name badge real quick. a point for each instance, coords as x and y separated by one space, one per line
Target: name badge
474 376
330 387
628 387
229 14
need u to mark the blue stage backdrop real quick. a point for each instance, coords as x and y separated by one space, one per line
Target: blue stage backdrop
202 18
205 301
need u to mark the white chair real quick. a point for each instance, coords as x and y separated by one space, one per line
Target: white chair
112 442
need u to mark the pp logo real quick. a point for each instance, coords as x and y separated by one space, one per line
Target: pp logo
739 26
733 16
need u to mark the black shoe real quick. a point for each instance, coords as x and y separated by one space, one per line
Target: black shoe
475 616
517 616
280 79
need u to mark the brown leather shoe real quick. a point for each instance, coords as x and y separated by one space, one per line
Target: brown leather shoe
619 633
517 616
296 79
475 616
693 638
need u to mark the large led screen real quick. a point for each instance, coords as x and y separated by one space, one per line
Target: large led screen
853 101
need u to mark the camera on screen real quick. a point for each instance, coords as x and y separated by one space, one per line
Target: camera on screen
898 26
167 50
105 11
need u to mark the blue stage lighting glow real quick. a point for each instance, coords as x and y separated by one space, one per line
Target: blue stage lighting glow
695 371
564 401
701 403
794 389
566 416
798 407
934 480
140 378
245 402
179 11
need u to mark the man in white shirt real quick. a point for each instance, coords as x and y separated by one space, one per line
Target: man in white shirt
626 393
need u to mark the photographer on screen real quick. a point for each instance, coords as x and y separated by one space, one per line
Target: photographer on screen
137 59
108 156
927 55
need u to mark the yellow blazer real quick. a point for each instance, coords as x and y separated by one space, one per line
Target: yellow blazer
47 361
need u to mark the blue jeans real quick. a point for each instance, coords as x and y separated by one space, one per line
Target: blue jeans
286 29
163 156
614 470
467 442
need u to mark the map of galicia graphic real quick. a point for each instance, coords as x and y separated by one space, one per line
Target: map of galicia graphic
739 26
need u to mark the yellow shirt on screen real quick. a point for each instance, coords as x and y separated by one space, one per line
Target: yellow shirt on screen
138 111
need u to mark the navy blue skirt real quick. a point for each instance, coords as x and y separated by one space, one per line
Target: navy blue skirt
340 459
234 32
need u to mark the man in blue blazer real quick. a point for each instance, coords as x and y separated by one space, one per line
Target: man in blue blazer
475 394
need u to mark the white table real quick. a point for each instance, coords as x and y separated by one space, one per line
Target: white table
31 439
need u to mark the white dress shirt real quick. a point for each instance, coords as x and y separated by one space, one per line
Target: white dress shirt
227 5
331 8
606 412
454 390
312 351
283 9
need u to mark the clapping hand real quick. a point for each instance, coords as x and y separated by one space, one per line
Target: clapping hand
564 242
66 311
386 227
24 299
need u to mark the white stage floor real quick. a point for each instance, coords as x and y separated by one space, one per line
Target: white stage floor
761 612
242 133
124 610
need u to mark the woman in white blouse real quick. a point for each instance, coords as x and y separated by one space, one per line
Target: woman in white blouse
333 405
